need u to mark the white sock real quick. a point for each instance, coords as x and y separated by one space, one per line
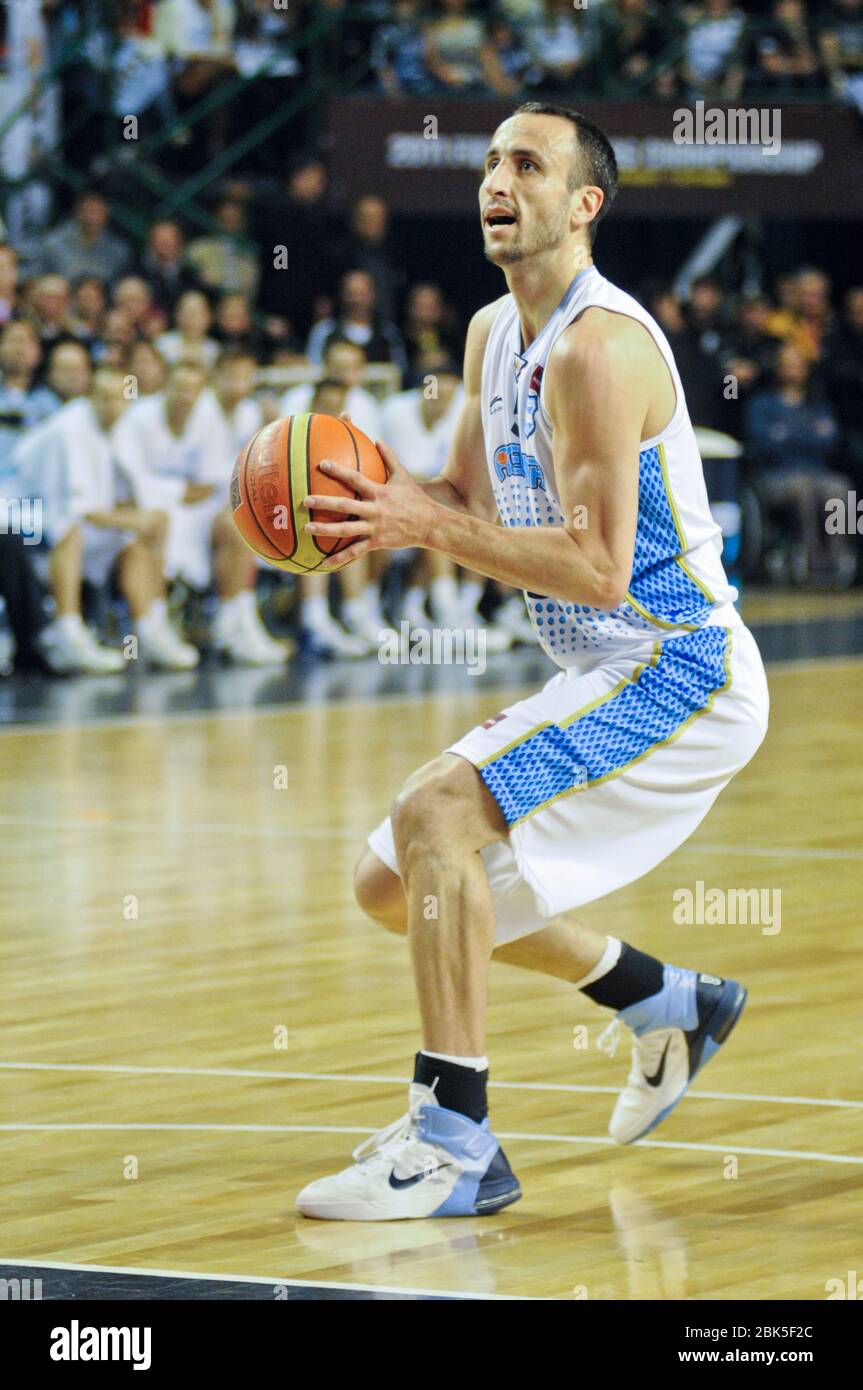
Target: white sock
444 592
354 609
371 599
414 609
158 611
316 611
607 961
471 593
475 1063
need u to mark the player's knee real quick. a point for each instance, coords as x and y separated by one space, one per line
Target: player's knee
379 893
427 810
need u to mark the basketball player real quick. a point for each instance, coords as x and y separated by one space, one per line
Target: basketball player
575 439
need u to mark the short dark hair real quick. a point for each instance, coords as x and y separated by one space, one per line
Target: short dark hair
596 161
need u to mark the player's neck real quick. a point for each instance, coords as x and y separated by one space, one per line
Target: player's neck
539 283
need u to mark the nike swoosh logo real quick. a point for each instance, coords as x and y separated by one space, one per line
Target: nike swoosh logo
399 1183
656 1080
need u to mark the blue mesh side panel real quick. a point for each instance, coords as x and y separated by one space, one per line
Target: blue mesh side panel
561 758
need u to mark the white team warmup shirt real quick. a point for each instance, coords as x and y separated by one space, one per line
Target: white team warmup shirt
421 450
160 465
359 404
611 766
70 464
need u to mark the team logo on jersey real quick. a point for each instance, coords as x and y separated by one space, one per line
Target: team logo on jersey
519 363
531 405
496 405
511 462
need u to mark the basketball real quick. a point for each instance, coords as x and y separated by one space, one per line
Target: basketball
278 468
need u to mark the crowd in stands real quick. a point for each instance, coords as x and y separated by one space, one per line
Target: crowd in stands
132 373
129 382
130 379
783 375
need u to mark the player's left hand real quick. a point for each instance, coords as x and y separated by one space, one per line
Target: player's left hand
384 516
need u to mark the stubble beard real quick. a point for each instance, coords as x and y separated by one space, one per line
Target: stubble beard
548 236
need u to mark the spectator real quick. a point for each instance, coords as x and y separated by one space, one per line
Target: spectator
146 367
704 313
512 55
224 261
304 223
844 380
23 404
781 55
790 439
83 245
173 451
234 326
429 331
140 69
357 319
840 42
49 310
163 266
132 296
806 316
716 31
748 354
199 32
87 317
694 339
188 340
8 283
117 339
368 250
90 527
457 53
748 349
634 41
559 46
344 362
197 35
69 372
398 53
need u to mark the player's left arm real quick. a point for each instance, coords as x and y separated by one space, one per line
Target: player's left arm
597 394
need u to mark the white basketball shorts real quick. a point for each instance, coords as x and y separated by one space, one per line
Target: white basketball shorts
600 776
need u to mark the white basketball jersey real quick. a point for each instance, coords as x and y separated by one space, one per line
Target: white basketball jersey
678 584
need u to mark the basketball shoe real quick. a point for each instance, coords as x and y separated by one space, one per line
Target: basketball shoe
676 1031
431 1162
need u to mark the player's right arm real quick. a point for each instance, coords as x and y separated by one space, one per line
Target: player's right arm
464 484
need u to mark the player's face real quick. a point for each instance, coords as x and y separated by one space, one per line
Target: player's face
525 200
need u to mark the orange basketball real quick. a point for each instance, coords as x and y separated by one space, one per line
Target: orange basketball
278 468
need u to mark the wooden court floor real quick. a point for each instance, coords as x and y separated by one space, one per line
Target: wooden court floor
195 1018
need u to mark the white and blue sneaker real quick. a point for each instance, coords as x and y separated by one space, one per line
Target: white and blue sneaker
676 1031
431 1162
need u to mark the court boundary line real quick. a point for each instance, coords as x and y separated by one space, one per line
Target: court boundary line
364 1078
260 1279
591 1140
508 693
